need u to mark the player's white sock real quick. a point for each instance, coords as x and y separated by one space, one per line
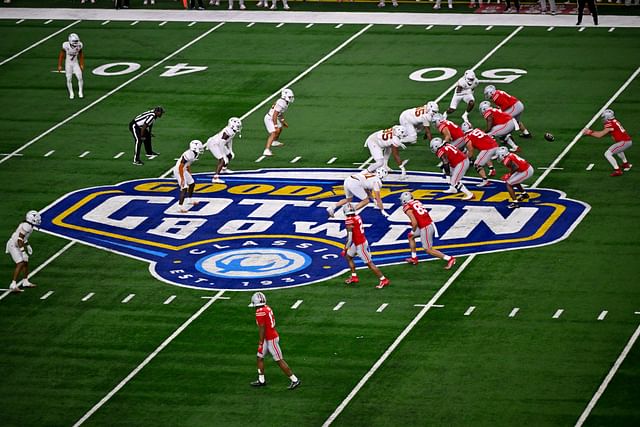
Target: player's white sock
510 141
447 258
622 157
611 159
261 378
293 378
70 88
80 86
413 254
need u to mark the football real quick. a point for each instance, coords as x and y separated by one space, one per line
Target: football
549 136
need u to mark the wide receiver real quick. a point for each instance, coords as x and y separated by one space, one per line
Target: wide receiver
357 244
182 172
622 141
274 120
20 250
421 225
221 146
73 56
519 171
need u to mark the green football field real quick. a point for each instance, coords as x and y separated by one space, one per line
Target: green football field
548 322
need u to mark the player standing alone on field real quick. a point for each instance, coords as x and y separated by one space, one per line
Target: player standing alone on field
622 141
357 244
274 120
182 172
73 57
421 225
221 146
464 92
20 250
268 341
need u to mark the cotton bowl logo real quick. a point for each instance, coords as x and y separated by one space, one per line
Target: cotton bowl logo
268 229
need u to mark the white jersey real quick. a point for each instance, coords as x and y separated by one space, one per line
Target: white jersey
219 146
369 181
466 88
383 138
24 228
71 52
279 107
189 157
419 117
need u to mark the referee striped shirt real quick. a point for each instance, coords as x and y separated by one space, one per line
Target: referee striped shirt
146 118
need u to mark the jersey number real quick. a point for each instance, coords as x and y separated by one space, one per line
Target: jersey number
387 134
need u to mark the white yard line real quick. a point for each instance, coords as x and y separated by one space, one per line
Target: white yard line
296 304
593 119
40 42
108 94
608 378
148 359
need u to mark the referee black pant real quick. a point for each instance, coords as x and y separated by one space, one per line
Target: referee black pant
138 140
592 7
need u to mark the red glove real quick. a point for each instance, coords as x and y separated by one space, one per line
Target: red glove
409 234
343 253
259 348
588 132
505 177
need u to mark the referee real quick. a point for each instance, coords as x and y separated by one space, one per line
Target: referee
140 128
592 8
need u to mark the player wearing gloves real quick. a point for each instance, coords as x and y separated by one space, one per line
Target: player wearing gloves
451 133
508 104
622 141
221 146
520 170
363 185
20 250
464 92
499 124
416 119
486 147
454 163
422 226
73 57
357 244
382 144
268 341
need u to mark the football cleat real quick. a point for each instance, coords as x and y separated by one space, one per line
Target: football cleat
216 180
450 190
529 136
277 144
626 166
412 260
515 149
513 205
27 284
492 172
523 197
331 211
258 384
468 196
484 184
352 279
616 172
383 283
14 287
450 263
138 163
267 152
293 384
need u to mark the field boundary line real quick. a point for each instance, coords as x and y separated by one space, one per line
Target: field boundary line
111 92
148 359
608 378
433 299
579 135
40 42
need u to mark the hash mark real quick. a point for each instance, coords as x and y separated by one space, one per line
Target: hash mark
162 24
120 154
339 306
84 154
382 307
134 22
280 25
488 28
514 312
603 315
295 159
105 22
20 21
550 28
469 310
457 28
611 29
399 26
429 27
558 313
128 298
309 26
88 296
296 304
48 22
259 159
47 295
251 24
191 24
50 153
582 29
168 300
591 165
331 160
338 26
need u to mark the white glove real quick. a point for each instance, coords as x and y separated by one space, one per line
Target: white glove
232 154
29 250
403 173
401 145
384 213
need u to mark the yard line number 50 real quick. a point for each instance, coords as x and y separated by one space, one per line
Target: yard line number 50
496 75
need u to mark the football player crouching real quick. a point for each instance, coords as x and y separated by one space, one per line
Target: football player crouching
416 119
384 143
422 226
365 186
182 173
519 171
622 141
464 92
455 164
499 124
19 249
221 146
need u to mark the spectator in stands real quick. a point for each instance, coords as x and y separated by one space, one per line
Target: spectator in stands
552 6
192 4
515 2
124 4
592 8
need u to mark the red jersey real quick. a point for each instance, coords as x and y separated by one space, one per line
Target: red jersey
499 117
503 100
358 229
454 129
419 212
480 140
617 131
514 161
453 155
264 316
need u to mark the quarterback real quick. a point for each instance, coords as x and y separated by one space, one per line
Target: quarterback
73 57
20 250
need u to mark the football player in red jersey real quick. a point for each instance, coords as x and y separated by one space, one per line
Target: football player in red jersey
423 226
519 171
621 138
508 104
269 341
486 146
499 124
455 162
451 133
357 244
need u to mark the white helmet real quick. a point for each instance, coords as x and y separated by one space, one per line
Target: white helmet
437 118
196 146
74 40
348 209
287 95
235 124
469 76
484 106
607 114
382 172
406 197
501 153
258 300
33 218
432 106
466 127
489 91
435 144
399 132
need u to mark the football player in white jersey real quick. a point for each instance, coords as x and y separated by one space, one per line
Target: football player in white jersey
416 119
182 172
274 120
365 186
382 144
20 250
221 146
73 56
464 92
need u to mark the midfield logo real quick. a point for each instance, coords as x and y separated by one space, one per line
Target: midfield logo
269 229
